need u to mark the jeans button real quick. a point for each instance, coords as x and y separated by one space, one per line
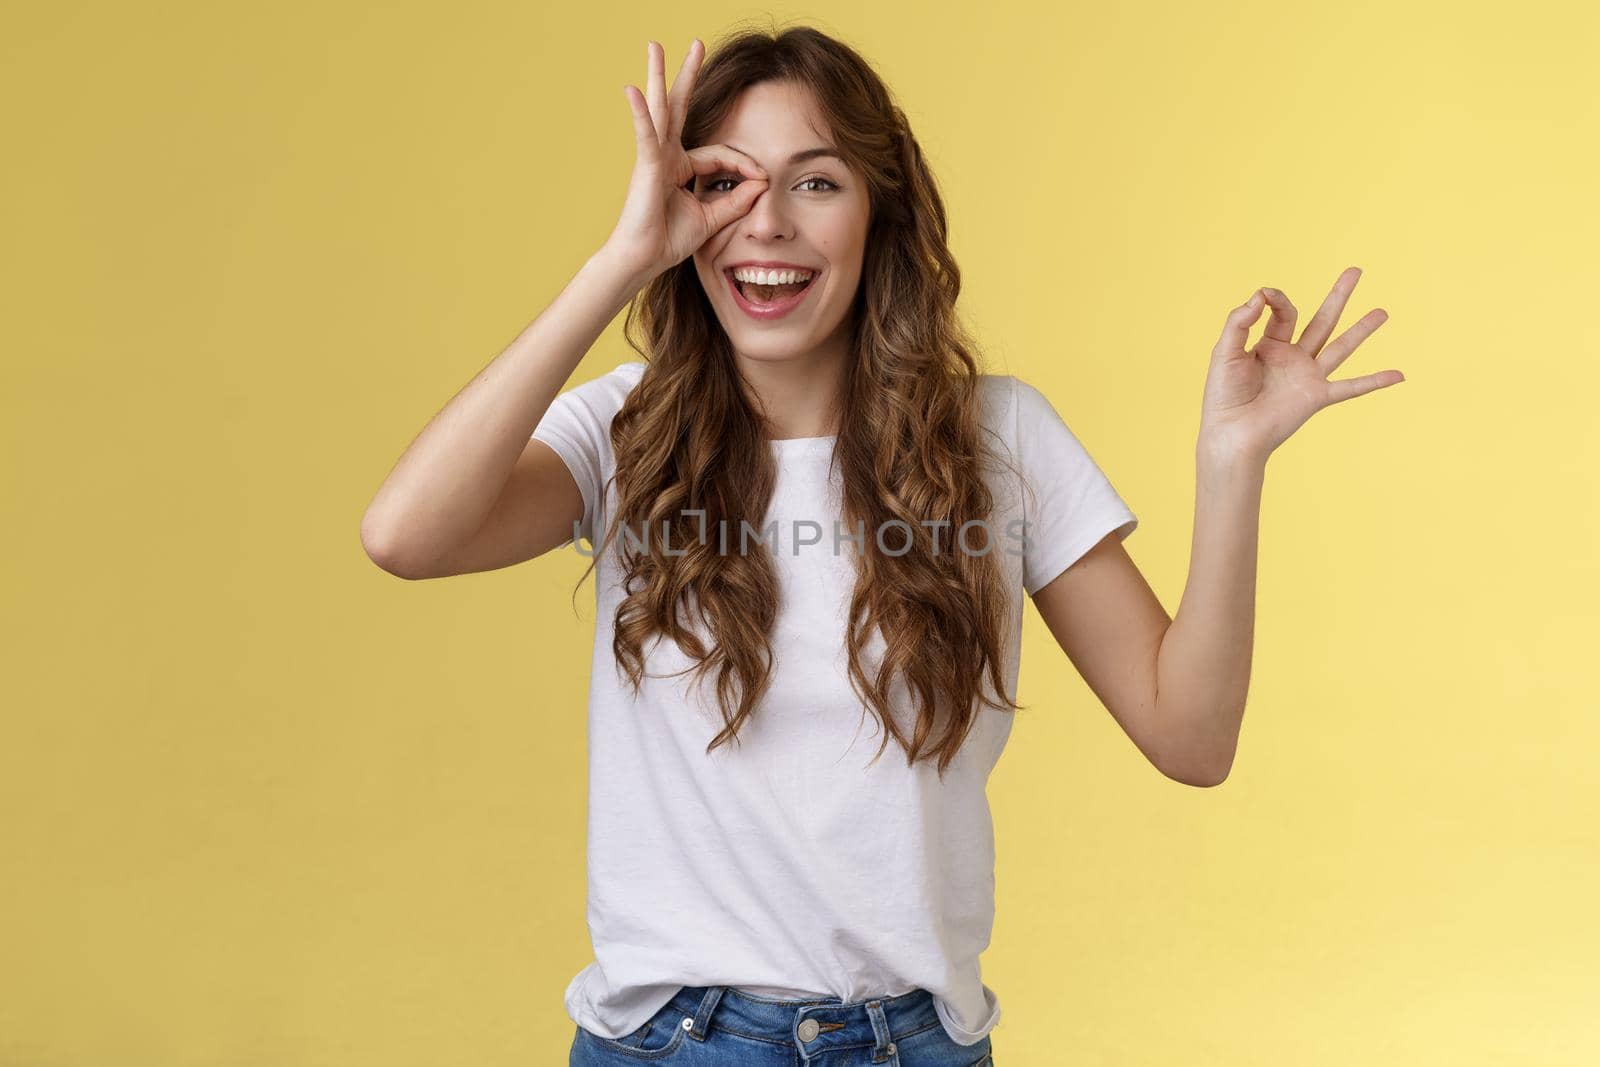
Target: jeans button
808 1029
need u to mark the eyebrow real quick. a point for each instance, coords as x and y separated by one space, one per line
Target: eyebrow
809 153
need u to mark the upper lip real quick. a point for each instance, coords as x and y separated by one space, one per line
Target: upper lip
769 264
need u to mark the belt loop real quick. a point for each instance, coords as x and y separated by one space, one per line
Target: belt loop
884 1048
702 1018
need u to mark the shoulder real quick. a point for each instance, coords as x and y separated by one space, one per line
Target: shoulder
578 421
1007 395
1033 429
1031 413
1007 403
614 384
1025 399
600 398
995 392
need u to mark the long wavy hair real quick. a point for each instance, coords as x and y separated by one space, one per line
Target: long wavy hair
910 442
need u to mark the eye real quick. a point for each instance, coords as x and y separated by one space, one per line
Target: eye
712 187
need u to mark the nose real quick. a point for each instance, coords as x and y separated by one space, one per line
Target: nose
768 218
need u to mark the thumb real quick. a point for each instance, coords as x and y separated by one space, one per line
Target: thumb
1237 330
738 203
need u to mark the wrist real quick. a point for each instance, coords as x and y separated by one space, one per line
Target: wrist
618 262
605 282
1227 448
1230 456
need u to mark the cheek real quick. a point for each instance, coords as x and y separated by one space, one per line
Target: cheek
844 254
706 257
843 241
706 272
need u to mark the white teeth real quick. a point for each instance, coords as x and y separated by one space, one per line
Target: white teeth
757 276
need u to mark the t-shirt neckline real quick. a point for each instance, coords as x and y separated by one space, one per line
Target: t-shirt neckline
801 444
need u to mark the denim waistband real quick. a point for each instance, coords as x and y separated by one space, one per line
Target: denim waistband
814 1025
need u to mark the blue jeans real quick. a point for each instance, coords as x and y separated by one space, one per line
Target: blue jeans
717 1026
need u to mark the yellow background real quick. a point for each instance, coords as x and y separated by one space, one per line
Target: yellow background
264 804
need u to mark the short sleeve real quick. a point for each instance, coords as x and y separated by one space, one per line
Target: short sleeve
578 427
1069 503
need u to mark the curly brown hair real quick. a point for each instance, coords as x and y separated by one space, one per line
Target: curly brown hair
910 444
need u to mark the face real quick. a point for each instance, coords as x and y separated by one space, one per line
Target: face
813 214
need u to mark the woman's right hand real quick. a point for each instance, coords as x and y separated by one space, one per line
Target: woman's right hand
663 222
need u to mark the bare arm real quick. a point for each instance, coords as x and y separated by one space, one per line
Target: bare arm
474 491
1109 622
1177 687
1203 668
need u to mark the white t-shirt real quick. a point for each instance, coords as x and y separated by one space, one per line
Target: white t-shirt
783 863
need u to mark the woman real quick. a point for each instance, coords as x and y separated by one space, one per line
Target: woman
814 520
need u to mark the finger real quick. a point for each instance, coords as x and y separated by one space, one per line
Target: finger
644 133
1337 352
682 88
1281 326
713 158
735 205
1345 388
1237 330
1320 328
656 89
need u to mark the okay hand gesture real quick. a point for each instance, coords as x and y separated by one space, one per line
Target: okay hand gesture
1255 399
662 221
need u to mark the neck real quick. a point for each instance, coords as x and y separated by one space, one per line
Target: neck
798 395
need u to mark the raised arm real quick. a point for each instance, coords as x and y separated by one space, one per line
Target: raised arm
1178 687
475 491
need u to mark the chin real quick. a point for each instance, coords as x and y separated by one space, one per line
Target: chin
766 348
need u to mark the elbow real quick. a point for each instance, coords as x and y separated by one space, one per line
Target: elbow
383 550
1206 780
1201 756
1202 774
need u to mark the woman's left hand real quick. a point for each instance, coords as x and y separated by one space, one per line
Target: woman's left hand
1255 399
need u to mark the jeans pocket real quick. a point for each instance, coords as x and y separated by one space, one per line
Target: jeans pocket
932 1047
661 1036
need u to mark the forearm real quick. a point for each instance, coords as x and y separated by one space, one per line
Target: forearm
447 480
1203 664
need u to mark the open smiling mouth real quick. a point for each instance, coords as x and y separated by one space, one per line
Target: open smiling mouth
769 301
